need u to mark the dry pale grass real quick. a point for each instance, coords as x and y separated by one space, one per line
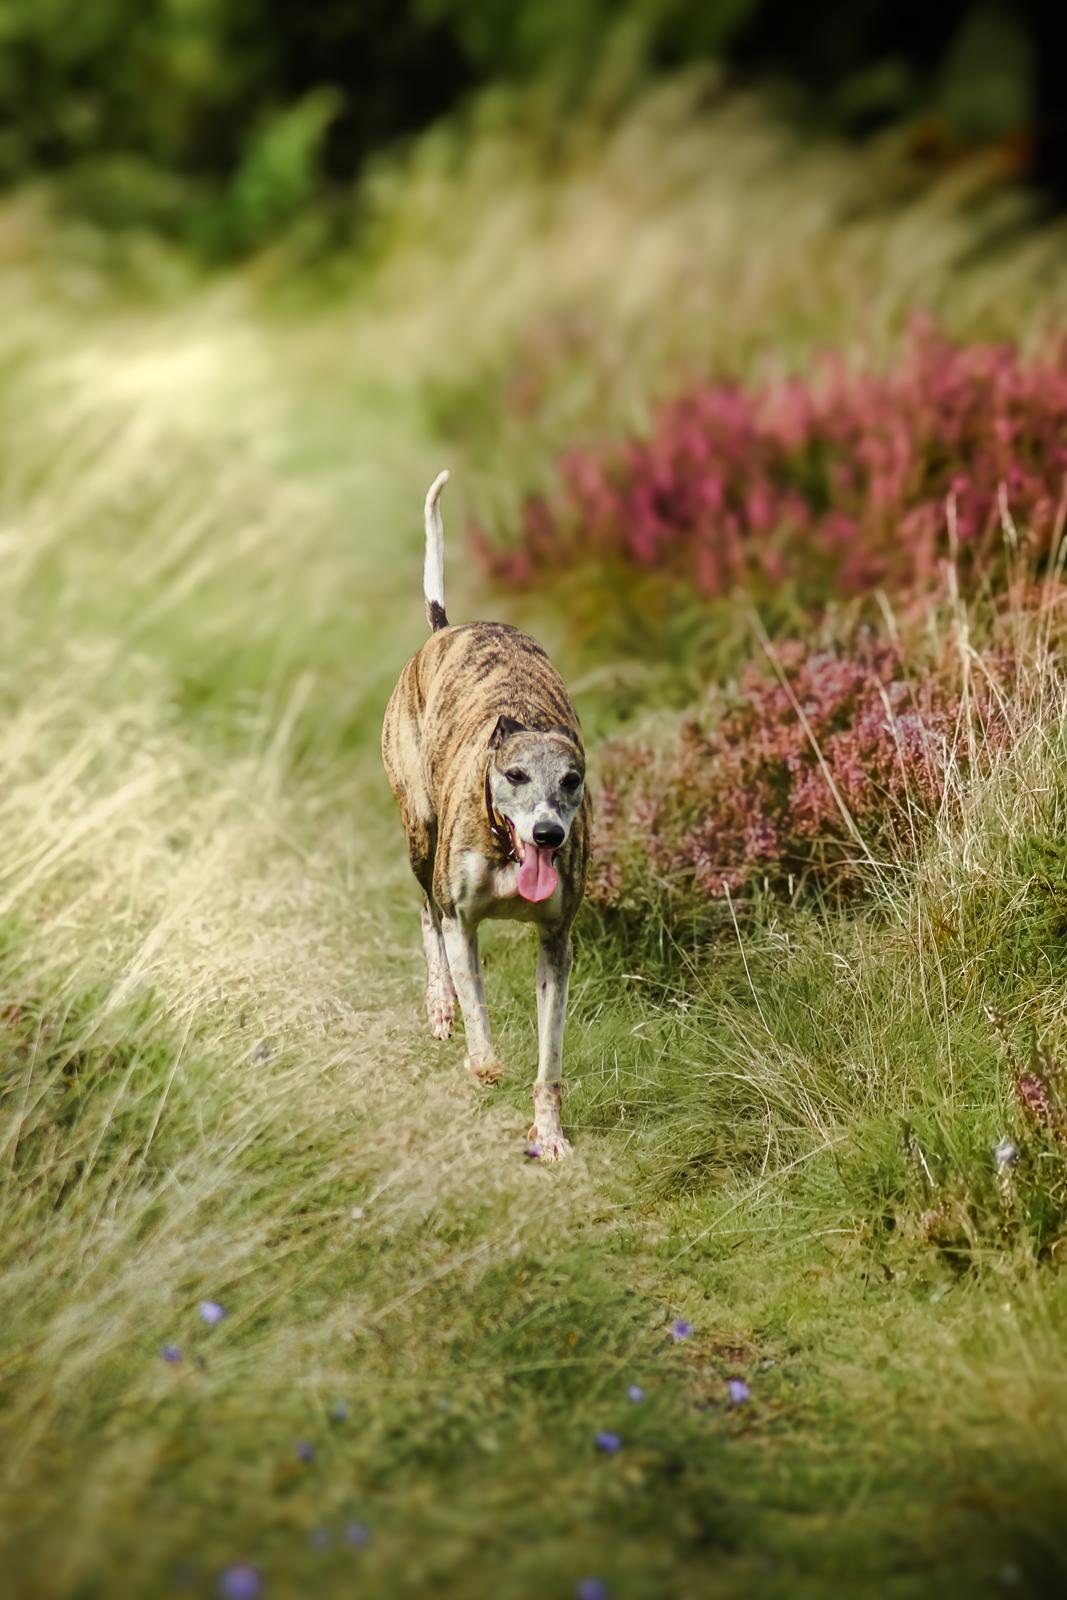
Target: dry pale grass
210 972
683 232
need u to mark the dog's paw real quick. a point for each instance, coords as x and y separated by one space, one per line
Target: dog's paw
547 1131
485 1072
441 1010
551 1144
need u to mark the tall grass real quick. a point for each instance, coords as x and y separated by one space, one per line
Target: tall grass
216 1086
686 234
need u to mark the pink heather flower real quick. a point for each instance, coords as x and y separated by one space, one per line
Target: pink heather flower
1033 1094
839 480
754 790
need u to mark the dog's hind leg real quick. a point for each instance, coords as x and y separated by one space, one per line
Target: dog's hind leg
461 947
440 990
553 979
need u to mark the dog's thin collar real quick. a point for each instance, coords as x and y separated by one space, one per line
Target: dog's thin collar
497 826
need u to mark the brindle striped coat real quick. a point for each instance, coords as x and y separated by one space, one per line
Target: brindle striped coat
476 701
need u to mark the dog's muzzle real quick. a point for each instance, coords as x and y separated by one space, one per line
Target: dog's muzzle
537 873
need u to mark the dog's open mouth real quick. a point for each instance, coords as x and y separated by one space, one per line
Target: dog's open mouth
537 875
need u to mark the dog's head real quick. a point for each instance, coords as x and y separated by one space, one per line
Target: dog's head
535 783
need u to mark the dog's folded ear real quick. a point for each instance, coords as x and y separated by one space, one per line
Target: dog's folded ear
568 733
505 727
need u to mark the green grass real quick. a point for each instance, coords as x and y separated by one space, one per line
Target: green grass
217 1084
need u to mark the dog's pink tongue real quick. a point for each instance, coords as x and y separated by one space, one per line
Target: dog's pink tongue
537 876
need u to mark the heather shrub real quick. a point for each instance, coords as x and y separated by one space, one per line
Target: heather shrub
828 484
822 772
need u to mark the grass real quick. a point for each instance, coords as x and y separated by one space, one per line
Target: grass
217 1085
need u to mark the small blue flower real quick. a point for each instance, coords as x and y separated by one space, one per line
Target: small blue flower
339 1412
211 1313
681 1329
1006 1154
304 1450
739 1391
591 1589
635 1394
357 1534
319 1538
171 1354
240 1583
608 1442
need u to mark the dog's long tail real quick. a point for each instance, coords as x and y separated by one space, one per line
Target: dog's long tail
433 572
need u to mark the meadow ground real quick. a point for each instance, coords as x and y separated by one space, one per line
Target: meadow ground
218 1086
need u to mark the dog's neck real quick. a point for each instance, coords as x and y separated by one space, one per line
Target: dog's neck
497 826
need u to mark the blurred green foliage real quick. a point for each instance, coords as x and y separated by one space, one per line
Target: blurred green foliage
499 37
221 119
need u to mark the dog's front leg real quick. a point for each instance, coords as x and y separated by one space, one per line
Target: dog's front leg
440 993
553 978
461 947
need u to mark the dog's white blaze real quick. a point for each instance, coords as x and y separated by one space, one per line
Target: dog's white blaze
433 571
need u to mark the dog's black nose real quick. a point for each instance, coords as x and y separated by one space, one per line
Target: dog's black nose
548 833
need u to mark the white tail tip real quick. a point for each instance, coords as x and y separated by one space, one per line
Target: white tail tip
433 493
433 573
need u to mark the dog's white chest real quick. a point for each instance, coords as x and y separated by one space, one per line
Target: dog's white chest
490 890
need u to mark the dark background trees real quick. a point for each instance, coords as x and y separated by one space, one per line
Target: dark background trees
166 105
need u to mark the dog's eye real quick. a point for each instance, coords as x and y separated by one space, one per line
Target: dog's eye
572 781
516 775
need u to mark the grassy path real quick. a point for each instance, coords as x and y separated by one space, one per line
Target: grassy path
220 1090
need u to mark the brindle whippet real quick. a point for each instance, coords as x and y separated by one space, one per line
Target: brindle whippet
484 757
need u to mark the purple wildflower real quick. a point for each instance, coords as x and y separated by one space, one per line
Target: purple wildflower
211 1313
171 1354
532 1152
591 1589
609 1443
635 1394
357 1534
240 1583
304 1450
681 1329
739 1391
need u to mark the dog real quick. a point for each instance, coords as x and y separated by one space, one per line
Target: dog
483 751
